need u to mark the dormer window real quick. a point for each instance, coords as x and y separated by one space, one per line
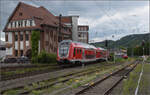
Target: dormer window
15 24
11 24
31 23
20 14
19 23
25 23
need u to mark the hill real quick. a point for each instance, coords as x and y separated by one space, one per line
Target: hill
127 41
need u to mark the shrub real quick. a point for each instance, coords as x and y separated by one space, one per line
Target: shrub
111 58
35 37
11 92
45 57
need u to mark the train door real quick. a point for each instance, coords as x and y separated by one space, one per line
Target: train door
78 53
83 54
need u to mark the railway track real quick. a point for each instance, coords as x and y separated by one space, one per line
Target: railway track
31 73
26 74
55 80
105 85
12 68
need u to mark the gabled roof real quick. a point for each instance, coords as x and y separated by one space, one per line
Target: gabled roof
65 19
40 14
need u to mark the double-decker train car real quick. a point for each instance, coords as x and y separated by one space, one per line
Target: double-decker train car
75 52
102 54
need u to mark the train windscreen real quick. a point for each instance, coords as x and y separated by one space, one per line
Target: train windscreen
64 49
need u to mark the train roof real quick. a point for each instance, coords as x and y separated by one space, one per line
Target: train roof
79 44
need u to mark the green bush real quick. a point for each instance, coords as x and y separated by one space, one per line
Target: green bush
35 37
111 58
45 57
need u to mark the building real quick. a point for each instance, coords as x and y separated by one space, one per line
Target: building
79 32
71 22
25 19
83 33
2 49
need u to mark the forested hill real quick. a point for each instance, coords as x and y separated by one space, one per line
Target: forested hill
127 41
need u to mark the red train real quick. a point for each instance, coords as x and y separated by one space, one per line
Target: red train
75 52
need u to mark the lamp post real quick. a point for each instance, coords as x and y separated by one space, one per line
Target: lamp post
114 48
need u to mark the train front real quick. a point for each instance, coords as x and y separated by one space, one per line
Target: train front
63 51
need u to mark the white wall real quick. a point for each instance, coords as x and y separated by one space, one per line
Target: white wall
10 37
9 25
75 28
8 51
16 45
21 45
27 43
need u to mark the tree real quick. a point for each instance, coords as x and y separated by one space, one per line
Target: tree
35 37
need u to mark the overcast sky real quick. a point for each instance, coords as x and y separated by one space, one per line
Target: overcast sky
104 17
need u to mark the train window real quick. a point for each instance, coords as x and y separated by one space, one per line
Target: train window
74 52
80 51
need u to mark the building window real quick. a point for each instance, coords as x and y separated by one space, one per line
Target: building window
25 23
30 22
27 37
16 37
16 52
19 23
11 24
21 37
15 24
21 52
2 48
6 37
20 14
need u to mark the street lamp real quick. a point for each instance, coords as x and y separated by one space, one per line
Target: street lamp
114 48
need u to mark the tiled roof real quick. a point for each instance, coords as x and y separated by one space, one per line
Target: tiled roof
40 14
66 19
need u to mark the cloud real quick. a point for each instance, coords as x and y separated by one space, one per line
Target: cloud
135 20
104 17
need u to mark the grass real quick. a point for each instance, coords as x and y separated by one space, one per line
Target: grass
74 83
25 70
130 84
83 80
11 92
124 60
148 60
144 88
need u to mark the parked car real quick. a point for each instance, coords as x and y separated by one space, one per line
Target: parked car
10 60
125 56
23 59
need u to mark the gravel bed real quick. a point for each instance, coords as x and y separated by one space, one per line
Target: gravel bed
14 64
100 89
9 84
